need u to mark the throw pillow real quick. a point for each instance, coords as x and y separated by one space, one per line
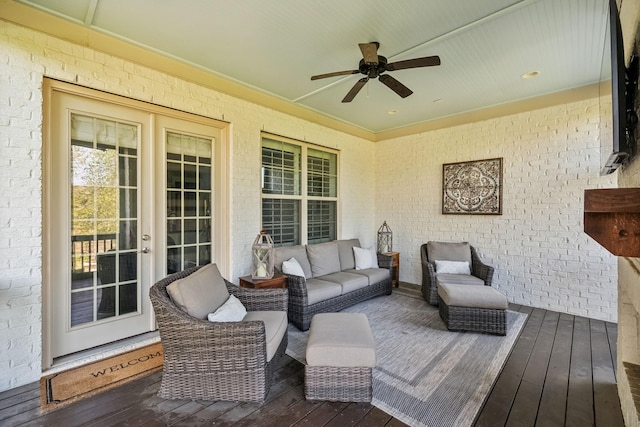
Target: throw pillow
292 267
365 258
231 311
453 267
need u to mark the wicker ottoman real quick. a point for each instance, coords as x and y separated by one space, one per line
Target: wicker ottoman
341 355
473 308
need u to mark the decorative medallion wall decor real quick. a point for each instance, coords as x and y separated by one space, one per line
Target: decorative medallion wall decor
472 187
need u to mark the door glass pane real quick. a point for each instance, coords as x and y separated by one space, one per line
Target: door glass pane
104 171
188 197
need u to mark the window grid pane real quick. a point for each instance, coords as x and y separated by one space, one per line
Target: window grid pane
188 198
281 219
321 221
281 168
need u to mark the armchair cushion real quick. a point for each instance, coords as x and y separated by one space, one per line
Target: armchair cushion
452 267
275 327
201 292
324 258
231 311
446 251
458 279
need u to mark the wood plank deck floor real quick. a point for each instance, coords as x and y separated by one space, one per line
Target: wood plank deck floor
561 372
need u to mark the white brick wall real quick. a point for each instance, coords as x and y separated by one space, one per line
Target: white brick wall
25 57
541 254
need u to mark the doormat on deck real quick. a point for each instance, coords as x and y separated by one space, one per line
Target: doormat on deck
63 388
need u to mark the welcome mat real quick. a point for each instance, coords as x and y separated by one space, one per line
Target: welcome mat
63 388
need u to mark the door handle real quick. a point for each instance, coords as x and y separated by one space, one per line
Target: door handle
145 250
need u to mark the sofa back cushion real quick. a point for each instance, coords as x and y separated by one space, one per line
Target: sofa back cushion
345 253
324 258
201 292
298 252
446 251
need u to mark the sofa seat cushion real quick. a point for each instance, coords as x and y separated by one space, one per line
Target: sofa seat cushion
321 290
348 281
458 279
275 326
201 292
324 258
472 296
298 252
375 275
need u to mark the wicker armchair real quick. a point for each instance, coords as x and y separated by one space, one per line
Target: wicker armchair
429 279
216 360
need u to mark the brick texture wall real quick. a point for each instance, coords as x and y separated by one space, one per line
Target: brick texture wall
541 254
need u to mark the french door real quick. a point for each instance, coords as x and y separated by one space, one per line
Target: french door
131 194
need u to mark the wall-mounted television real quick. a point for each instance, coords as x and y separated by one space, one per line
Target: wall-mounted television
618 89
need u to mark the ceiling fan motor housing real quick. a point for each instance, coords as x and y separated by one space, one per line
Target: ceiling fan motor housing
373 70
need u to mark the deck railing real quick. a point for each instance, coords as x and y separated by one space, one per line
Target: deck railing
85 248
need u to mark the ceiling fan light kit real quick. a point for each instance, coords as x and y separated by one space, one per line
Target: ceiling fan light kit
373 66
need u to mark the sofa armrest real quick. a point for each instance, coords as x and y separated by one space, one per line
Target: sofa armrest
260 299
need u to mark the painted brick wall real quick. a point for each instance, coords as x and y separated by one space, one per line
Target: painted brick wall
541 255
25 57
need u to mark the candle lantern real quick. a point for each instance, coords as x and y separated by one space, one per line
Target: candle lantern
262 256
385 239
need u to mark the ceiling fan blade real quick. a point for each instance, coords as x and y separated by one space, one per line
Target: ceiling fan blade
355 89
395 85
369 52
334 74
427 61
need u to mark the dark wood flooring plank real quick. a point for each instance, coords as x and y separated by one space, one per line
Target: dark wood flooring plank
375 417
322 414
495 410
350 415
294 413
553 403
525 405
580 393
606 406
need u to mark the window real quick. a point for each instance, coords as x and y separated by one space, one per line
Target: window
293 213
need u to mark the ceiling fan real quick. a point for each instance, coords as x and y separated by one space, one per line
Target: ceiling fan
373 65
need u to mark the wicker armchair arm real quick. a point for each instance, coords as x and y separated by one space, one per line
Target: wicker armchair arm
261 299
480 269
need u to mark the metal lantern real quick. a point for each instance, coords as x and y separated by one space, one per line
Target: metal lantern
262 256
385 239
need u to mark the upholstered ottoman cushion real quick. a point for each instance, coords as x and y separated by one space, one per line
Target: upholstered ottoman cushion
340 355
472 308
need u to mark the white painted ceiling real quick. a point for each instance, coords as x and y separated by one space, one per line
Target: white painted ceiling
275 46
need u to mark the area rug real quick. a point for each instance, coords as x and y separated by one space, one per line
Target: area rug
68 386
426 375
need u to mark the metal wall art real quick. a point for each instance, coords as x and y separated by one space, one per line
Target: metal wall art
472 187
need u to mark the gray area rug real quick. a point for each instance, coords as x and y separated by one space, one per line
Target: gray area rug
426 375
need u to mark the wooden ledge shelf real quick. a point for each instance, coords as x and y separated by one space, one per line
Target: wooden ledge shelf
612 218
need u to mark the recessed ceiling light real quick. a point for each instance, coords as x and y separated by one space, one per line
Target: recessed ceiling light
531 75
437 101
392 112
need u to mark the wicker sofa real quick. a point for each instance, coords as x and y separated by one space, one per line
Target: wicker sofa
231 361
330 279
